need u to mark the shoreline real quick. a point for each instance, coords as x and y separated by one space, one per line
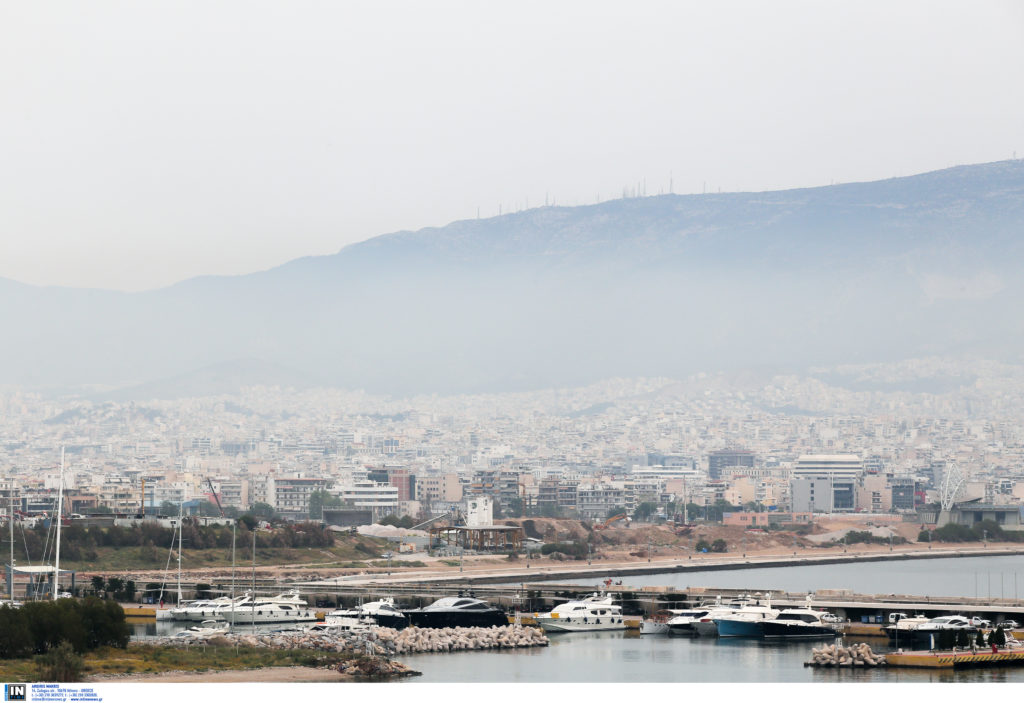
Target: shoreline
269 674
663 566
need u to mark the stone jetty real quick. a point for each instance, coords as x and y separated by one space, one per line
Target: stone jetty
854 655
378 641
452 639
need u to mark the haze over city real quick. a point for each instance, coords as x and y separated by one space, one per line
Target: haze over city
144 145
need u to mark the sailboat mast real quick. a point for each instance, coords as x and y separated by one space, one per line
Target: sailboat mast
179 552
60 510
253 606
234 529
10 584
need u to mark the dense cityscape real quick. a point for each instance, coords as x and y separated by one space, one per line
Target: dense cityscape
883 440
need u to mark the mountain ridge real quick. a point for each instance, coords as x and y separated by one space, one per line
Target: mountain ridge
662 285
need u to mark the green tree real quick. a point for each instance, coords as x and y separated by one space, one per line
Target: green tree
997 637
644 511
514 508
718 545
97 584
979 640
702 546
963 639
208 509
318 500
263 511
15 636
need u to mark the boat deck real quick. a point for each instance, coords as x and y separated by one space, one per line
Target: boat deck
955 660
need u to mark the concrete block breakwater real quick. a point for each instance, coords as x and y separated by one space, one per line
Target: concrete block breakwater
379 641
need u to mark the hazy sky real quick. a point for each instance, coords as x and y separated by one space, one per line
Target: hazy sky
146 142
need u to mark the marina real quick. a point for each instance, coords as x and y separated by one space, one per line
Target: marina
598 656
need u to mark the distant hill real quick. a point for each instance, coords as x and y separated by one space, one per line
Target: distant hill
665 285
226 378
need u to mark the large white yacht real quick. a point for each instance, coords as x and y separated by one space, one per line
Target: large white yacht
287 607
596 612
200 610
383 612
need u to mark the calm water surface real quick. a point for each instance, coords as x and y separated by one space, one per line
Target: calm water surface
995 577
616 657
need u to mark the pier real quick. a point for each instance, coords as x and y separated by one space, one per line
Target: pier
955 660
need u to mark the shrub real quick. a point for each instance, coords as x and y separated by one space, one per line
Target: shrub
718 545
59 664
702 546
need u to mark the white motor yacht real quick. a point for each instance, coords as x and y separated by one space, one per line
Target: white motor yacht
685 622
798 623
383 612
199 610
596 612
207 628
657 624
287 607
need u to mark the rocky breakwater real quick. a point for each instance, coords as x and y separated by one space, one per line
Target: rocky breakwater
412 640
854 655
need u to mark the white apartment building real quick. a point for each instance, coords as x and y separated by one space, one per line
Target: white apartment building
380 498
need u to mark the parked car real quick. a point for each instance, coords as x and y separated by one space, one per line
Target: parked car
979 622
1008 624
831 618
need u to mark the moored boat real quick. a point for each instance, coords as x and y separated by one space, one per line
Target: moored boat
287 607
746 620
457 611
383 612
596 612
657 624
685 622
797 623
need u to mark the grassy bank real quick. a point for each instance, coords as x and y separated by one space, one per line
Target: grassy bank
147 659
361 553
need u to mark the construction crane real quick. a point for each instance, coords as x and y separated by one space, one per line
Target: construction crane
215 498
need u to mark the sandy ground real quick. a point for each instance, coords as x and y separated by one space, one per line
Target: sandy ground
629 549
274 674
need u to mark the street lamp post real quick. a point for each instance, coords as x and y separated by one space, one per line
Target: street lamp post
890 541
984 537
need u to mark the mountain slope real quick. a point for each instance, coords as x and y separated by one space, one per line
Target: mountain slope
665 285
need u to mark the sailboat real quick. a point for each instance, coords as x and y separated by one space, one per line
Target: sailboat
10 583
55 591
